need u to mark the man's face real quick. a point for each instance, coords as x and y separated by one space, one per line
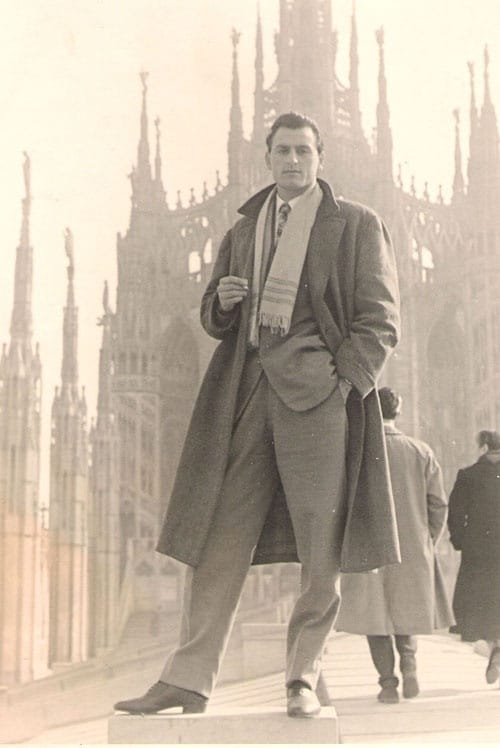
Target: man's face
294 160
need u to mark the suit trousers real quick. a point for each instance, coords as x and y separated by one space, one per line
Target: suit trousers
382 652
306 453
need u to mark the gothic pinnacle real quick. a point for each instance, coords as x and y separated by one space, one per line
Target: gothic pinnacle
143 164
21 320
69 369
458 180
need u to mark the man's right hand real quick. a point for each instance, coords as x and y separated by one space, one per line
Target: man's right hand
231 290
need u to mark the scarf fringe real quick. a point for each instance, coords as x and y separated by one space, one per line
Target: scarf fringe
279 324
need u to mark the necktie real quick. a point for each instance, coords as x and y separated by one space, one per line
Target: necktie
282 219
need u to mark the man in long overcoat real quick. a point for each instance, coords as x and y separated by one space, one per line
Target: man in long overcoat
304 299
409 598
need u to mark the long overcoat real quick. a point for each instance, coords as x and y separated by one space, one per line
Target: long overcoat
407 598
474 523
354 294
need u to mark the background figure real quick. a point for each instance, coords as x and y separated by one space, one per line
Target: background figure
474 524
405 599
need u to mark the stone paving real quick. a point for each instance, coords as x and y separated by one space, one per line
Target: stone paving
455 704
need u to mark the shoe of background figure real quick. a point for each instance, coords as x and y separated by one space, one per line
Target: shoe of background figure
322 691
388 695
164 696
302 701
410 685
493 669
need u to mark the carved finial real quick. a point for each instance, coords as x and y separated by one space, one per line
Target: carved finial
27 174
486 58
144 80
426 190
157 128
179 201
192 199
412 186
440 194
456 114
105 298
205 191
235 38
470 65
379 35
68 248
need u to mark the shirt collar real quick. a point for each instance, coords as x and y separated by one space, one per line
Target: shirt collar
293 201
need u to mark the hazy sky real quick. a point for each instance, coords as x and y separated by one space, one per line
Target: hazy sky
70 96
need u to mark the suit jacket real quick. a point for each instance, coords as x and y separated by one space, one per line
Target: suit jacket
354 295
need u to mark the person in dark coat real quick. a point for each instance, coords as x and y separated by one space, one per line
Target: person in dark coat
401 601
304 299
474 524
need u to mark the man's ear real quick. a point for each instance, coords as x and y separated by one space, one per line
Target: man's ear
268 160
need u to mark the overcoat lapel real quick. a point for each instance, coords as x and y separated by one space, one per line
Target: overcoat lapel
322 252
242 264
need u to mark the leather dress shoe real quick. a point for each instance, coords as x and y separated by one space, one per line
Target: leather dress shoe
302 701
164 696
410 686
493 669
388 695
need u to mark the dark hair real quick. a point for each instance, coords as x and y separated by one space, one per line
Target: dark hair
491 439
294 121
390 402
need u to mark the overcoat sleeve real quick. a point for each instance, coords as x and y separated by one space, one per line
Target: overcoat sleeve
436 498
457 516
374 330
216 322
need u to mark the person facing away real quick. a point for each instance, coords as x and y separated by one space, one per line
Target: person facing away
474 525
304 299
401 601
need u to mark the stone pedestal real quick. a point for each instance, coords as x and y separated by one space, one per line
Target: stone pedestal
225 725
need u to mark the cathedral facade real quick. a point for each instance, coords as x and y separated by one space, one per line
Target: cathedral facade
105 511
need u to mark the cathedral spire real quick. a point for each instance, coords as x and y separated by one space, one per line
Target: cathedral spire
105 364
235 141
488 121
354 73
458 179
142 185
472 168
158 176
143 165
21 320
487 104
258 112
384 135
69 369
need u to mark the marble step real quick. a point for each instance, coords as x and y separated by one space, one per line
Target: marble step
226 726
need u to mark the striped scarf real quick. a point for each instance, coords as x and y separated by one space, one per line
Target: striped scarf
274 310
